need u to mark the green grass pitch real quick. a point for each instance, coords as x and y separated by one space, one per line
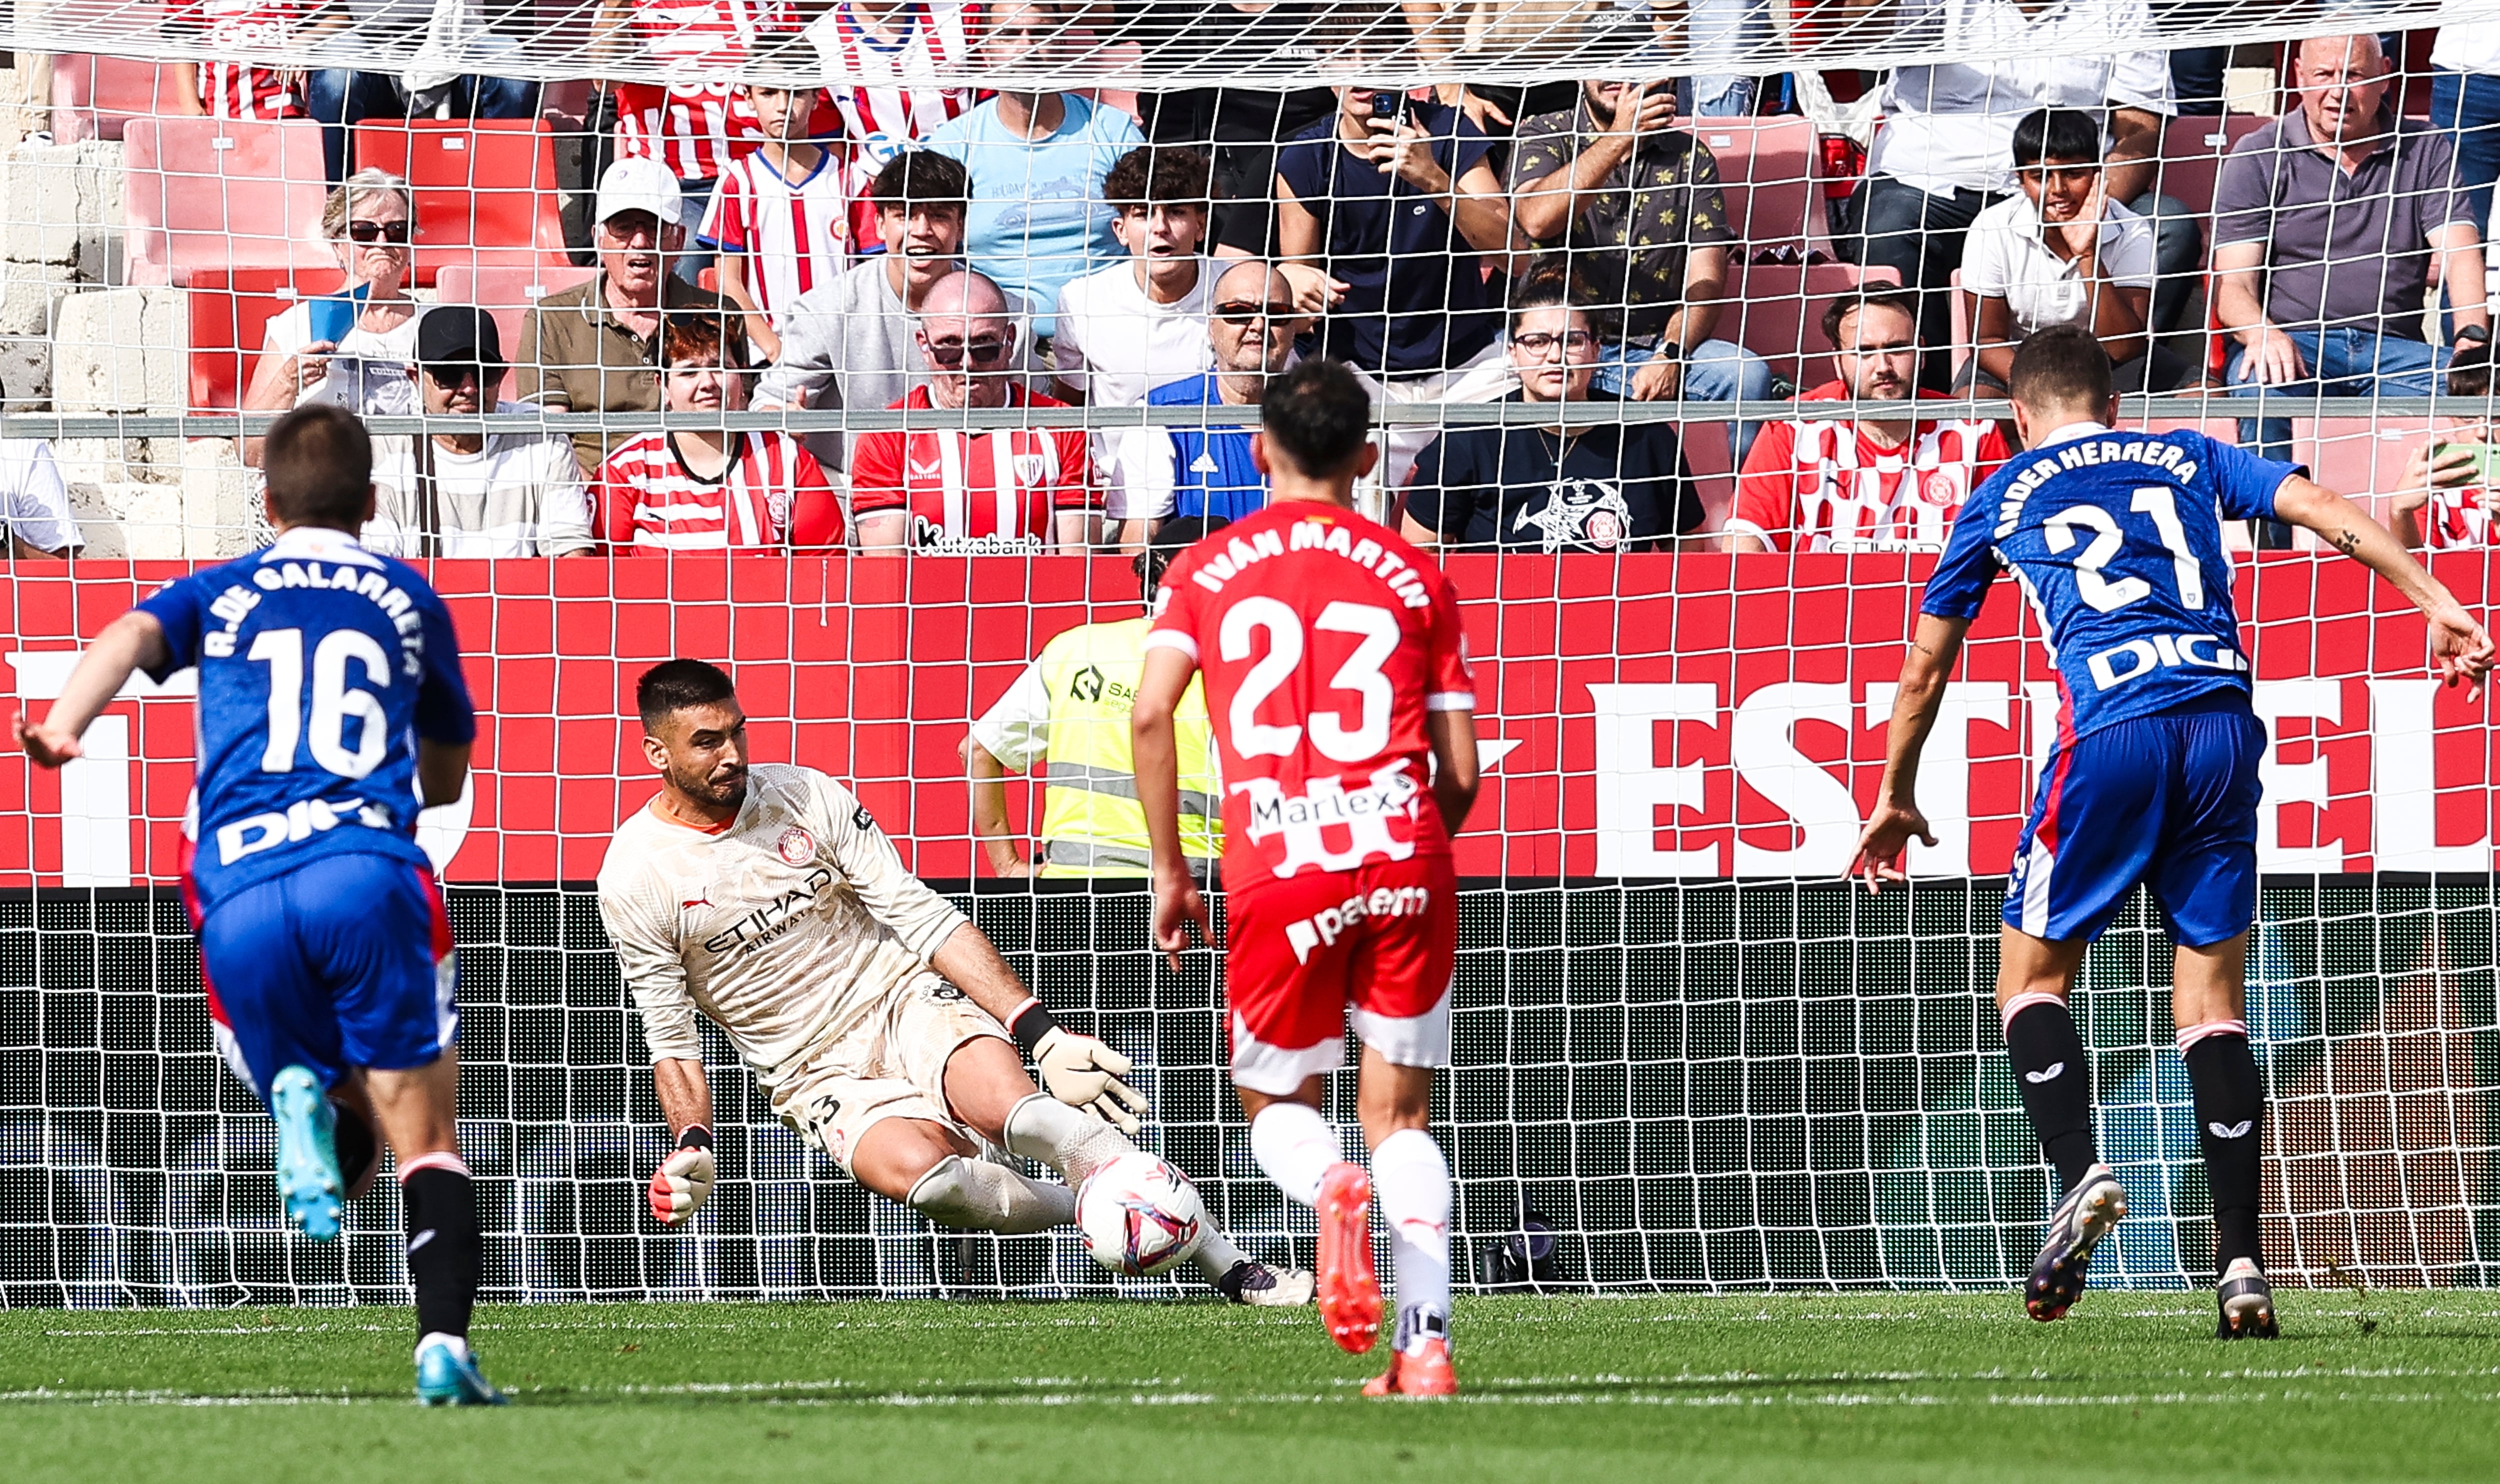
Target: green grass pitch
1866 1387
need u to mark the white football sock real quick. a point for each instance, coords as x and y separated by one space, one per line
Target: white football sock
1073 1143
975 1194
1294 1146
1412 1182
1216 1252
459 1345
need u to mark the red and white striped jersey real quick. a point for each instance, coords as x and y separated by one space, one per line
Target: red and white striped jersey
990 490
881 87
2457 518
697 129
772 494
794 233
239 89
1826 485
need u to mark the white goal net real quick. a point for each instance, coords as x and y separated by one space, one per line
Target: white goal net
1689 1055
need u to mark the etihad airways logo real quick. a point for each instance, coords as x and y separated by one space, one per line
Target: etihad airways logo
770 920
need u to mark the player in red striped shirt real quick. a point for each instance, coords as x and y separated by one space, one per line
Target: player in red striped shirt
243 89
974 491
698 490
1836 485
889 50
780 218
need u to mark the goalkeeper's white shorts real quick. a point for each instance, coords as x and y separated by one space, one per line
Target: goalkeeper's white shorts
894 1066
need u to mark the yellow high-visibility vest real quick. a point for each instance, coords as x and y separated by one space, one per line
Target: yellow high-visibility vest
1091 823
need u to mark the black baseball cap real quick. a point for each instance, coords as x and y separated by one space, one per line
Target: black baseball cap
459 335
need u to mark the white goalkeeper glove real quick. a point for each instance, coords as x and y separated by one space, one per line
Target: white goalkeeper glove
1079 1070
683 1180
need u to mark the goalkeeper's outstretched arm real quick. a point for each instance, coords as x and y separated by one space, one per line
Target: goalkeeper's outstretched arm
2459 645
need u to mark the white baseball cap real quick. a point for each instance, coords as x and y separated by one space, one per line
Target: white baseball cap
637 184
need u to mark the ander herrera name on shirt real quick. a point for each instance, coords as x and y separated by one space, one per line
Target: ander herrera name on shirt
1314 534
2083 453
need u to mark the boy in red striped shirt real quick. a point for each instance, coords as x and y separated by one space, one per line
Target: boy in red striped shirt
1002 489
780 217
705 490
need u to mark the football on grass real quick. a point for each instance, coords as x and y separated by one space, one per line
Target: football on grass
1139 1216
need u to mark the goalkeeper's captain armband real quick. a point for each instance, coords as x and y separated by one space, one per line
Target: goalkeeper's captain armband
683 1180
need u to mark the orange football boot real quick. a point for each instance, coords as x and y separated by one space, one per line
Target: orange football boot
1349 1288
1424 1373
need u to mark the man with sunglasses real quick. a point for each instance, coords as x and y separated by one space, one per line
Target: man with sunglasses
1206 472
512 492
973 490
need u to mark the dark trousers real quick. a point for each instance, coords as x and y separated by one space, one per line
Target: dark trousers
340 99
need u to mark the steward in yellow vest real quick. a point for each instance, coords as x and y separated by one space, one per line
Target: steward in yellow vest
1070 710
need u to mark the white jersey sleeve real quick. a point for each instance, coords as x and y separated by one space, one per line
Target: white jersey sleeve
919 918
641 927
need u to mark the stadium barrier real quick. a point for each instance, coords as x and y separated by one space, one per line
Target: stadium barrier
1683 1043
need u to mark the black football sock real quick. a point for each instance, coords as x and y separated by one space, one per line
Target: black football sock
2056 1080
2230 1123
445 1256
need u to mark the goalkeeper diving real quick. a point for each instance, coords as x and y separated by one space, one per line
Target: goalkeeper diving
880 1023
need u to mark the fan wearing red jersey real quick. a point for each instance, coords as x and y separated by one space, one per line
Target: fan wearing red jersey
1345 717
889 54
1002 489
1824 484
778 219
225 89
704 490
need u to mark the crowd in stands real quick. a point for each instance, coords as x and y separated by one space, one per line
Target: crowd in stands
880 241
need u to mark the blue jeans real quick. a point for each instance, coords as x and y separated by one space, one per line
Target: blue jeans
2341 363
1714 371
339 98
2469 103
2196 79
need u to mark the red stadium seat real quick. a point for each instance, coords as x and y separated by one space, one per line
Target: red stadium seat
507 293
2192 156
1776 310
229 314
1765 173
485 191
94 97
219 195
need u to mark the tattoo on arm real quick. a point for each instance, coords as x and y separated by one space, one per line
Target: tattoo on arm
2345 541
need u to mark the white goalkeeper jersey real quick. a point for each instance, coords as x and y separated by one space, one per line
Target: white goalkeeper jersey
790 926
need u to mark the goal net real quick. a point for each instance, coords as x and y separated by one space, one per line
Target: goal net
1689 1055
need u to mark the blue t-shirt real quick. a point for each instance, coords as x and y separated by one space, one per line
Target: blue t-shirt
1038 218
1415 297
2116 540
320 666
1212 474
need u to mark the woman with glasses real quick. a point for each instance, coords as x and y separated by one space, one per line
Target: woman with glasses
1606 487
371 321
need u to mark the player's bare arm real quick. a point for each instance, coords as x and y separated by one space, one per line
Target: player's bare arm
134 641
1155 750
1456 772
1935 648
1079 1070
2459 645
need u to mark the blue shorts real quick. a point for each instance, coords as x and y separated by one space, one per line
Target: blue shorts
2169 800
345 961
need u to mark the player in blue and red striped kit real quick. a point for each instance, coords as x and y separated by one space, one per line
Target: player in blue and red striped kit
331 703
2116 539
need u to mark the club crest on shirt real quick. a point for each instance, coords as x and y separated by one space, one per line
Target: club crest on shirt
1029 469
1580 513
796 845
1942 487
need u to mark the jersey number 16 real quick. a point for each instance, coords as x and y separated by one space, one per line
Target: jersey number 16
323 719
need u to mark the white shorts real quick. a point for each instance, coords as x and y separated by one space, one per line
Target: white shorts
893 1067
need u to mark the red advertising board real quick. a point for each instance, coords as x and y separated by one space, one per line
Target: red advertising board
1686 716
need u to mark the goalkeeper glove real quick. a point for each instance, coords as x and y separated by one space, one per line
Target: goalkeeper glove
1078 1070
683 1182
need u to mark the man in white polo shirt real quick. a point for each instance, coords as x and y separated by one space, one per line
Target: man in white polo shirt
470 494
1946 150
1135 325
